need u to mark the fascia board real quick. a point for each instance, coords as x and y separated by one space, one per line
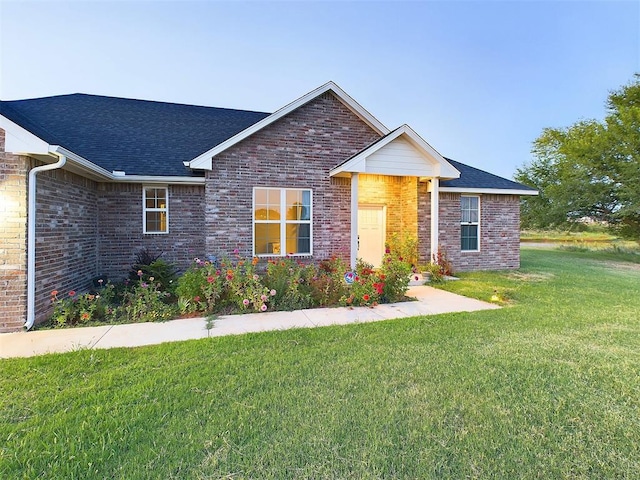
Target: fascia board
204 160
109 176
149 179
489 191
19 140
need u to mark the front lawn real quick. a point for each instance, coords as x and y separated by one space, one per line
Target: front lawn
547 387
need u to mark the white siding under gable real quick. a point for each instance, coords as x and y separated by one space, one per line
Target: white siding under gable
400 157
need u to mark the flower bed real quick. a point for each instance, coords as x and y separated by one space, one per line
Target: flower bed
232 285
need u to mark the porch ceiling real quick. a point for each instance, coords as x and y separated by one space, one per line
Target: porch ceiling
400 153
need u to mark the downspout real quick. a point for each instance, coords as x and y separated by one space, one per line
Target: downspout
31 235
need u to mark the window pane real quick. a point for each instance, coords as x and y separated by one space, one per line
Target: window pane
298 238
469 209
267 204
469 237
267 238
298 205
156 222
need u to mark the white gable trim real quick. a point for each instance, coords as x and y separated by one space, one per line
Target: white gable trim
369 160
488 191
204 160
18 140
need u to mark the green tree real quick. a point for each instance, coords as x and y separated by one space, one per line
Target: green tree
590 169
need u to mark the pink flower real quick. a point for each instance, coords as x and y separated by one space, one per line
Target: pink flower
263 298
263 308
101 281
236 251
272 293
245 302
210 279
415 277
255 277
139 273
72 293
196 298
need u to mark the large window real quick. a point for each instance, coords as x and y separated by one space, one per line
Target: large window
155 210
281 221
470 223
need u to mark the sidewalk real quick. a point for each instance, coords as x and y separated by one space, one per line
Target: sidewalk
430 301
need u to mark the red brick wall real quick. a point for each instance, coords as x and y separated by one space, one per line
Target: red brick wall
13 239
399 195
297 151
499 233
120 227
66 232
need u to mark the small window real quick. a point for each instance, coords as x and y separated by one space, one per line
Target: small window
155 209
281 221
470 223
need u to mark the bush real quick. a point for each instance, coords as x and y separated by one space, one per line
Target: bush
200 288
151 265
244 287
145 302
327 286
291 281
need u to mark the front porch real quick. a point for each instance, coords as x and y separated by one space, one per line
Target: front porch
394 190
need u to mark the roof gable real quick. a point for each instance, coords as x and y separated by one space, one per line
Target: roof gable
402 153
205 160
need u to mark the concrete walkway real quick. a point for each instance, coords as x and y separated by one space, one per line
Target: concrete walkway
431 301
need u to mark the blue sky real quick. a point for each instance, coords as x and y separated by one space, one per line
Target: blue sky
478 80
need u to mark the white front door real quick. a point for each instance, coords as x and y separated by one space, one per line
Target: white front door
371 233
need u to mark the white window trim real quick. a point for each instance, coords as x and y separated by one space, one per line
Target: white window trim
283 223
478 223
145 209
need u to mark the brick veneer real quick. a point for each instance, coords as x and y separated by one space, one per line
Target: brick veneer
297 151
399 195
66 233
499 232
120 230
13 238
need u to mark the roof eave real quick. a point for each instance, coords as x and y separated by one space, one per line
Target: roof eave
489 191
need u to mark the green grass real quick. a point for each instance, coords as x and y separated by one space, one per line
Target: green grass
547 387
589 235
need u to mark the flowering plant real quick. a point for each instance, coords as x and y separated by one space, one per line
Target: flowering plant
77 309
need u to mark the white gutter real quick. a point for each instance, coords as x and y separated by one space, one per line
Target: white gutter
31 234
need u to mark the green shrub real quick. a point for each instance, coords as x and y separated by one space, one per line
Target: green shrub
328 286
200 288
151 265
145 302
291 281
244 287
78 309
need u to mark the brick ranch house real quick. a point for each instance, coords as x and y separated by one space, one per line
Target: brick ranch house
87 181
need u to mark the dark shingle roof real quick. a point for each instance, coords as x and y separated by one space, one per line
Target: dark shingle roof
471 177
142 137
139 137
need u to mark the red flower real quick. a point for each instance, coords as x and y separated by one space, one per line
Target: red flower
210 279
196 298
54 293
72 293
366 297
85 316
